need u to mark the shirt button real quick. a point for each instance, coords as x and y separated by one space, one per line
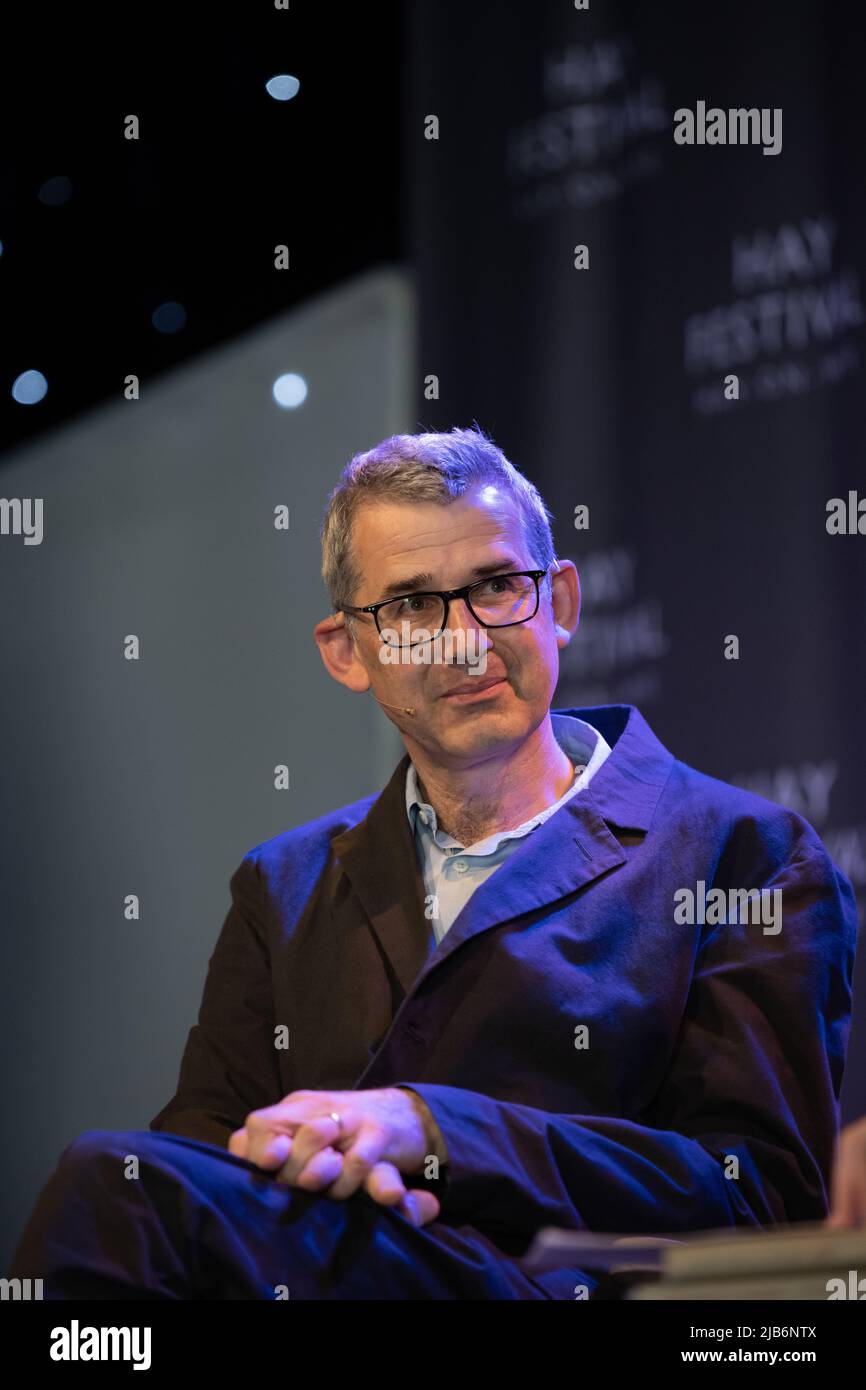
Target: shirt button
461 866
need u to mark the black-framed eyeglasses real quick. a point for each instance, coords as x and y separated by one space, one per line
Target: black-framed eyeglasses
502 600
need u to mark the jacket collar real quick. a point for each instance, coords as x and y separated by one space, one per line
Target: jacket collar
568 851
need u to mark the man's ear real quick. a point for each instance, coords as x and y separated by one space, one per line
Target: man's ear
565 590
338 653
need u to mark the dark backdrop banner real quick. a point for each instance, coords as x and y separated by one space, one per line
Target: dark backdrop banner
687 390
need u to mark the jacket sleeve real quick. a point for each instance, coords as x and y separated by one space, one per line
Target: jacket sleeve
229 1066
741 1131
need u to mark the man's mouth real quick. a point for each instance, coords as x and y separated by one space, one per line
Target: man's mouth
473 688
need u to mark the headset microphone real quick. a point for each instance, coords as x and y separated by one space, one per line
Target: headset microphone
404 709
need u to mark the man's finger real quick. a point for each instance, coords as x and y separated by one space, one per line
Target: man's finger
263 1128
322 1169
267 1148
359 1160
420 1207
848 1187
317 1133
385 1184
238 1143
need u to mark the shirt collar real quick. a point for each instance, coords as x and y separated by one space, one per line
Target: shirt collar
583 744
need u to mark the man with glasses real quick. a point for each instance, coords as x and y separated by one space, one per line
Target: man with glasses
499 1019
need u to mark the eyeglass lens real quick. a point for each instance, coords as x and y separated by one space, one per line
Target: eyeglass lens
495 602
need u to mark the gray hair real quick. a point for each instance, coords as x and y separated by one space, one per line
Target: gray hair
422 468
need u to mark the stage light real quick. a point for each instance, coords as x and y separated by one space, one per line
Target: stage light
282 88
169 317
29 388
55 191
290 390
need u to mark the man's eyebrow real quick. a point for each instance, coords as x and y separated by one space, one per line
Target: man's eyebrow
413 582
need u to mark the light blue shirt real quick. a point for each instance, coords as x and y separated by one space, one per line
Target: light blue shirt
453 871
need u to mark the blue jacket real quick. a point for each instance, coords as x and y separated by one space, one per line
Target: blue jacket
592 1059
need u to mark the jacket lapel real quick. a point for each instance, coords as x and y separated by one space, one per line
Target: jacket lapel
569 851
379 858
576 845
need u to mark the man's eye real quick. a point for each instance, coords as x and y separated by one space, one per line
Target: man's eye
417 603
499 584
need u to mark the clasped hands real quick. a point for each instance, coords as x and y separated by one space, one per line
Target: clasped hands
384 1136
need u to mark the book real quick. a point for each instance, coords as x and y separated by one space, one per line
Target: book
739 1252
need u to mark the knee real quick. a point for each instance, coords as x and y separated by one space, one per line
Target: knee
98 1149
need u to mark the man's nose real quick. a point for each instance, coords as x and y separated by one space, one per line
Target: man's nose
461 619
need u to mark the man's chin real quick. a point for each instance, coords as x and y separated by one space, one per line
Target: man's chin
475 732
